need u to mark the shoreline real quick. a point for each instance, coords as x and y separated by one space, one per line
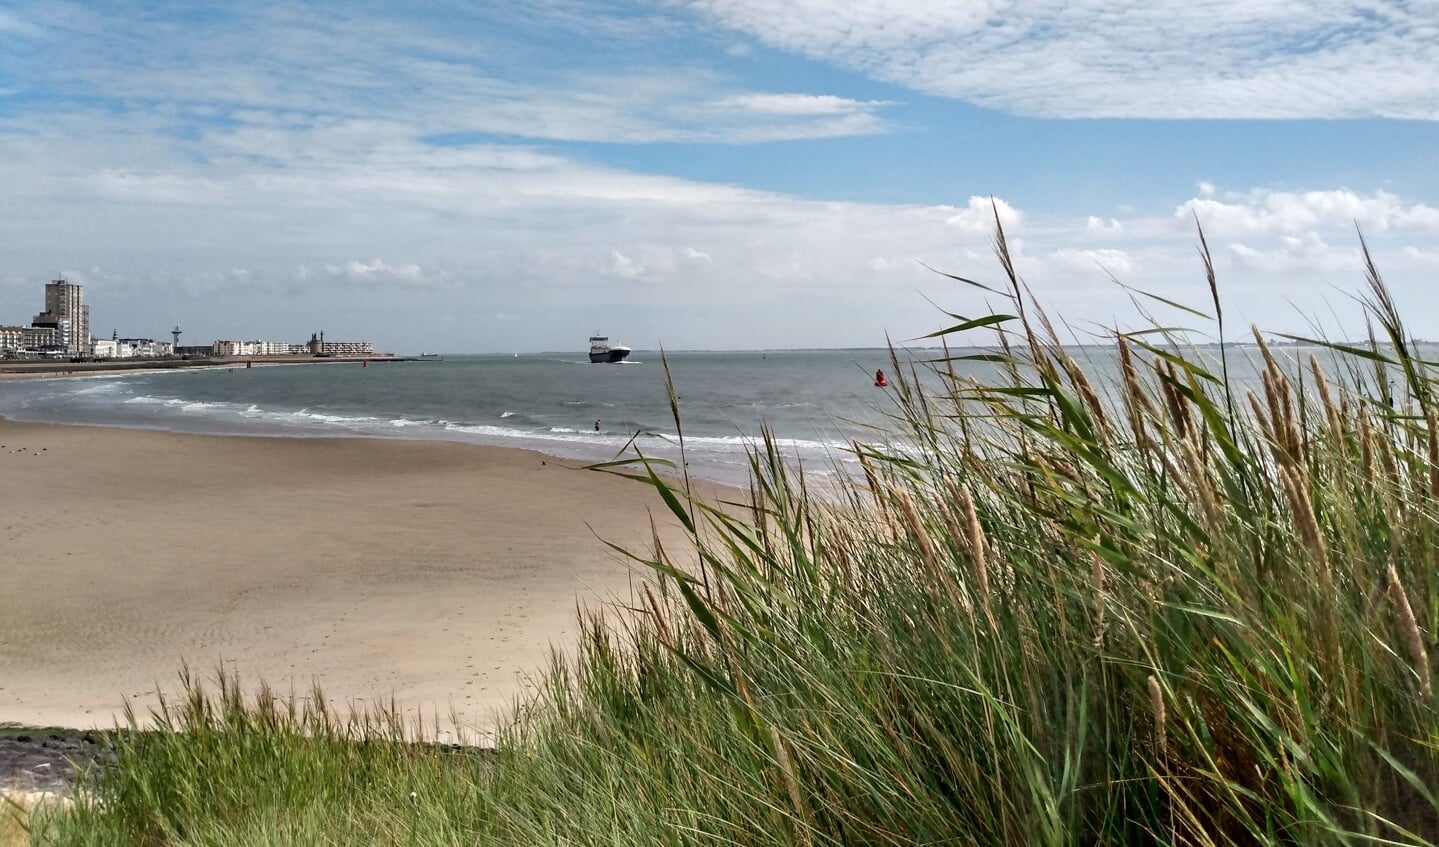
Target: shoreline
434 573
726 466
55 369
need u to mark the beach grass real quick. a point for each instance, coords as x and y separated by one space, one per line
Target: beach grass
14 819
1055 608
25 818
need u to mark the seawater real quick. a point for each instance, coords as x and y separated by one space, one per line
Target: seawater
814 402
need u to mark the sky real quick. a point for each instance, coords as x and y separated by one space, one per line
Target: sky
489 176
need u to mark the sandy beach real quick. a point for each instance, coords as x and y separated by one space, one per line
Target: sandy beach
438 574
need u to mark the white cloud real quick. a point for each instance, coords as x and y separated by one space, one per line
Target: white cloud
1107 262
278 169
269 68
1102 226
1089 58
360 213
1265 212
979 215
654 262
624 267
1420 258
1297 254
798 104
381 274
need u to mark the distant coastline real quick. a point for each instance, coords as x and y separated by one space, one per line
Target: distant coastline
53 368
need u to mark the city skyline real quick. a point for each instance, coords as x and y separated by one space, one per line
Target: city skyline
63 330
712 174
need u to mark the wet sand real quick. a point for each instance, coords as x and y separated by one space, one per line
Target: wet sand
438 574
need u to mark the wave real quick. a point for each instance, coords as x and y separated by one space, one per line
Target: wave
553 429
318 420
101 387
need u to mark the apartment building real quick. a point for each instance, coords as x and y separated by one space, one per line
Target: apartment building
14 339
250 348
65 310
130 348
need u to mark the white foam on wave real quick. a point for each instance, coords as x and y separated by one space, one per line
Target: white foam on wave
740 441
104 387
321 417
491 431
725 456
711 445
255 413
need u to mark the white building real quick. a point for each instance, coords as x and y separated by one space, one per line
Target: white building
271 348
59 327
12 338
40 337
348 348
233 348
250 348
131 348
148 347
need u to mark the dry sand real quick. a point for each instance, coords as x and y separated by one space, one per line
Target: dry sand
438 574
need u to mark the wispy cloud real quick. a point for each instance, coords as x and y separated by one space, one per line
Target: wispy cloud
1091 58
260 163
798 104
267 66
12 24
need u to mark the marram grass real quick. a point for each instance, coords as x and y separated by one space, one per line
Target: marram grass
1158 608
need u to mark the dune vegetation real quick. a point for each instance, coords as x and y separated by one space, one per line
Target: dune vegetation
1060 605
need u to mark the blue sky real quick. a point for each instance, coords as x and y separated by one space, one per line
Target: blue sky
489 177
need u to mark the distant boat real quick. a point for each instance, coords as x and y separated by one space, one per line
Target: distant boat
431 357
602 351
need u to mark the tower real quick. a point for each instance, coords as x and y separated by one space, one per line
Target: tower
175 333
66 301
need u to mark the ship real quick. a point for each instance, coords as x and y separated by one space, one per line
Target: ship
602 351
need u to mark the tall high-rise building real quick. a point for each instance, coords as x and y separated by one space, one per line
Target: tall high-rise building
66 301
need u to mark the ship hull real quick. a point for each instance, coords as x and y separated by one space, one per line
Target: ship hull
617 354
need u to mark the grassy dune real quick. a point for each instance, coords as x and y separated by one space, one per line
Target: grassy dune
1157 609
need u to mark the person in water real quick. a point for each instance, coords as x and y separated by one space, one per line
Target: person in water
879 379
597 424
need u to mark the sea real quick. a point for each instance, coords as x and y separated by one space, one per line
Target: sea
814 402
